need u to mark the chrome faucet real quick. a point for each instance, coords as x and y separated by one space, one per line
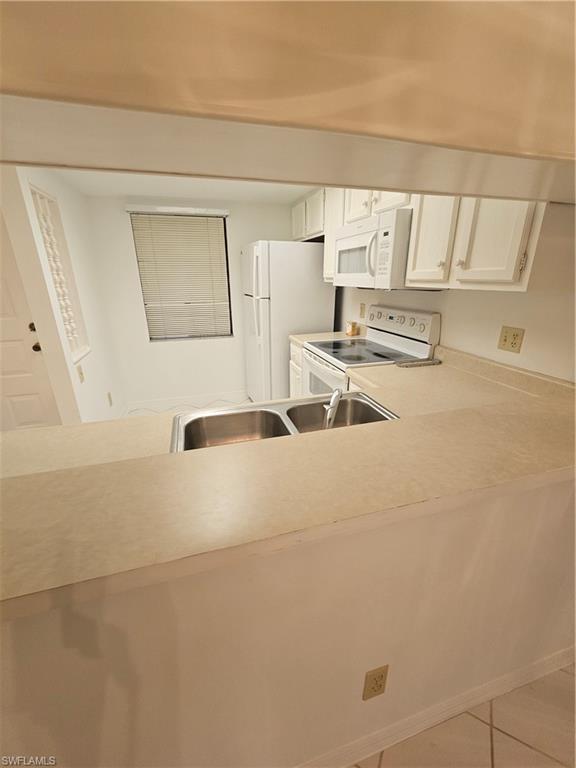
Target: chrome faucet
331 408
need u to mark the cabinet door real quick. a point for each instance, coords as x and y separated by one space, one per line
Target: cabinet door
385 201
491 239
357 204
431 239
315 214
299 220
295 380
333 218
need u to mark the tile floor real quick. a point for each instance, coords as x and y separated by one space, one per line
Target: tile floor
530 727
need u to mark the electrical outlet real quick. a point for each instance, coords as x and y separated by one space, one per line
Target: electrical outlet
80 373
362 311
110 401
375 682
511 339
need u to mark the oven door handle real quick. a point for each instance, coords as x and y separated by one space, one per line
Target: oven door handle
312 358
369 249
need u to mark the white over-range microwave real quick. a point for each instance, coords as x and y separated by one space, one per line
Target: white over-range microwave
373 253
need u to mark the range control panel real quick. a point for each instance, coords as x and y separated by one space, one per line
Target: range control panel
414 324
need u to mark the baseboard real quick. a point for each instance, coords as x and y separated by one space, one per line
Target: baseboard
206 400
374 742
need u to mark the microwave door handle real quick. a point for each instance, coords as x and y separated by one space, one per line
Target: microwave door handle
369 249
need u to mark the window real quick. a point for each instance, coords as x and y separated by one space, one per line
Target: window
60 266
183 264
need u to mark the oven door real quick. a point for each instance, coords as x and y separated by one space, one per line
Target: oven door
355 260
319 377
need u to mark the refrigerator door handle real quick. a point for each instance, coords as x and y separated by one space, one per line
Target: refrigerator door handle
256 312
255 291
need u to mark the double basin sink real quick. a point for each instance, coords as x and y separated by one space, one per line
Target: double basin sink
260 422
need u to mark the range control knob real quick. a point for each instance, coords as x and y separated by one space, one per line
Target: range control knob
401 319
412 322
371 315
421 327
379 315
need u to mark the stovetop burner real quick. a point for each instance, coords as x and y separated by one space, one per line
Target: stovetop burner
359 351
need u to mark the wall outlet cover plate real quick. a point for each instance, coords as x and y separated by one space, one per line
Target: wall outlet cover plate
511 339
375 682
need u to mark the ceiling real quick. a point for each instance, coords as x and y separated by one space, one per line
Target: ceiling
491 76
109 183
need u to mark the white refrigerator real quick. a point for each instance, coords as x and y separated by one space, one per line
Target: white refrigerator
283 293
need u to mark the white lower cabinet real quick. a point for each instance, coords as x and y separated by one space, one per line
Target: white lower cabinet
295 380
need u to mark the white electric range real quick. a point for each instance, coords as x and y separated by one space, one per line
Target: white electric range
392 336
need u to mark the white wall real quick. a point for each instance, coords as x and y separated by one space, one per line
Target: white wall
261 662
471 320
161 374
98 366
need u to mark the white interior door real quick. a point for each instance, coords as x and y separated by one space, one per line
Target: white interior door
27 399
491 238
431 238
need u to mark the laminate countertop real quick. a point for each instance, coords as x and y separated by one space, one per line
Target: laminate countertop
467 424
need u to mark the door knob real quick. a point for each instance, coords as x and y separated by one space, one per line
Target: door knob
36 347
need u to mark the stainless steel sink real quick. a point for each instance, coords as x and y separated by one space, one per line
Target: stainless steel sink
232 427
256 422
308 417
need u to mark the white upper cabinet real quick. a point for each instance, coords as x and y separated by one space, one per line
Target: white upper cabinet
361 203
308 216
299 220
474 243
357 204
385 201
491 240
314 219
431 239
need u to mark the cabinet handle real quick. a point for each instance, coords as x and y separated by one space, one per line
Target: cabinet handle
365 203
461 263
440 263
31 327
36 347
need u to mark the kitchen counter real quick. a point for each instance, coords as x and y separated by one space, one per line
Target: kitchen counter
46 449
465 425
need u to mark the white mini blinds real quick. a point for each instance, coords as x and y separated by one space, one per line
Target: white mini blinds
183 266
